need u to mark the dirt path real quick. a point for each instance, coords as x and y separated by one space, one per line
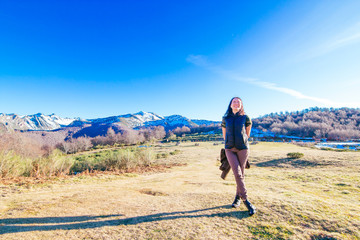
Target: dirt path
187 202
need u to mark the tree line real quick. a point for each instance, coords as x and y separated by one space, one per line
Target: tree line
43 143
333 124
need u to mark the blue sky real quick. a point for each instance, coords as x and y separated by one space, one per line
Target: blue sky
93 59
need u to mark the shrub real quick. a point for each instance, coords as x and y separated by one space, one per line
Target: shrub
14 165
123 160
55 164
162 155
144 157
295 155
175 152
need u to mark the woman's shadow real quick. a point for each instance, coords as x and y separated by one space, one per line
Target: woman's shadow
13 225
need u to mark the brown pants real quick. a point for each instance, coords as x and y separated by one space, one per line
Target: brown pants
237 160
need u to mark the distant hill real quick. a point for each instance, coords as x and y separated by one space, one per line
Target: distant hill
330 123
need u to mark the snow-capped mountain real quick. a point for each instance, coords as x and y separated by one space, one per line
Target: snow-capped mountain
174 121
37 121
171 122
128 120
137 120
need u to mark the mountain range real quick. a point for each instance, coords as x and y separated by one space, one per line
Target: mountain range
41 122
320 123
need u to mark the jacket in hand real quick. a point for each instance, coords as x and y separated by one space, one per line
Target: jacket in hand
225 166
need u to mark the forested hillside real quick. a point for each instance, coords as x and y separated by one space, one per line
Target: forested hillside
333 124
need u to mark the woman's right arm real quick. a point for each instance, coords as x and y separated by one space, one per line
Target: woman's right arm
224 132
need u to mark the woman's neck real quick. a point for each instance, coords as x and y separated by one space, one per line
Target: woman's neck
235 111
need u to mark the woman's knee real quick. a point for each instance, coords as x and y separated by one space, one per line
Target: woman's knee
238 174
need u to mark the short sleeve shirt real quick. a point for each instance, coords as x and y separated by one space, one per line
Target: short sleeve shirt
247 122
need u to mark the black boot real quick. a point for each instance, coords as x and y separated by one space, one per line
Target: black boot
236 202
250 207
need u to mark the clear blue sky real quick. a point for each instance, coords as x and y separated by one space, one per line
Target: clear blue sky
93 59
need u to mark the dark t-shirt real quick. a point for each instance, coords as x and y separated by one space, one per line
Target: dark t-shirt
247 122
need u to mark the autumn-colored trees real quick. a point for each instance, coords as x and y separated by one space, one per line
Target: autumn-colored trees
42 143
20 144
333 124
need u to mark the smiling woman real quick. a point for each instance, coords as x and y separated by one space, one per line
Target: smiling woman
236 129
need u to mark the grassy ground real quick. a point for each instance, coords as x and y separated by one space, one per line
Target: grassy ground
314 197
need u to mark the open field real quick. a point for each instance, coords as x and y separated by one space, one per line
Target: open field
314 197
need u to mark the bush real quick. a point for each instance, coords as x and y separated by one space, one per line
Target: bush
14 165
122 159
175 152
55 164
162 155
295 155
144 157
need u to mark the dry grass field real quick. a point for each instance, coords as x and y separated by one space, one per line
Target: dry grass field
314 197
